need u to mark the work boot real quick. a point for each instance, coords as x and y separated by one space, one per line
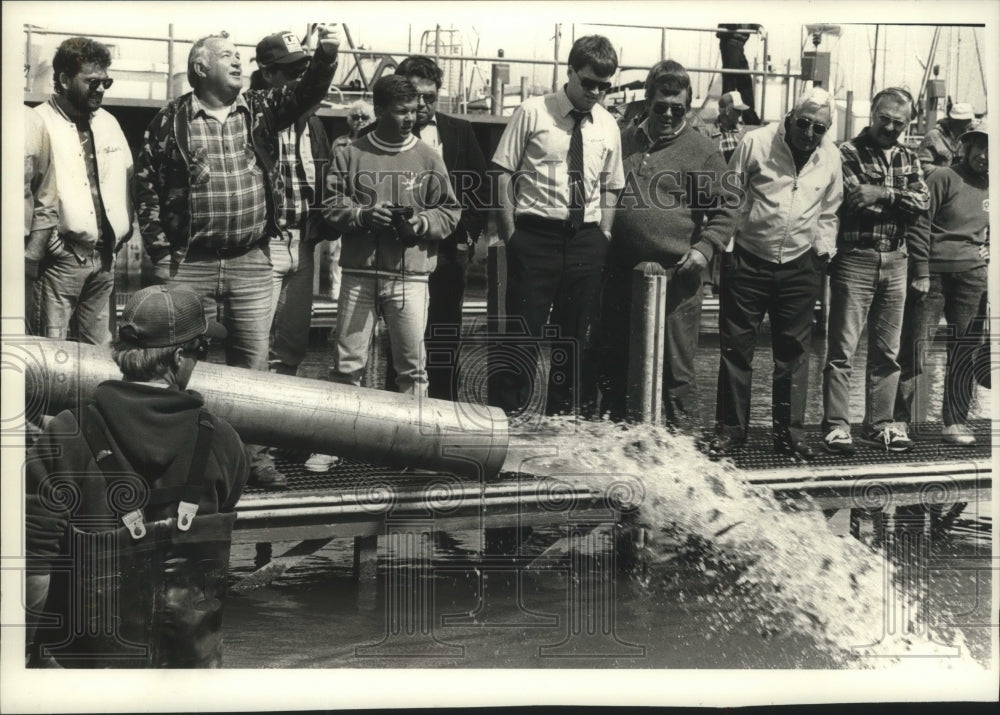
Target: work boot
723 445
799 450
266 476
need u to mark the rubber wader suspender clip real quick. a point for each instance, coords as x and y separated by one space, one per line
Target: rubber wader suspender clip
133 522
94 431
186 510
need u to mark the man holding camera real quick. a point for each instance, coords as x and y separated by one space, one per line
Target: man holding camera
390 197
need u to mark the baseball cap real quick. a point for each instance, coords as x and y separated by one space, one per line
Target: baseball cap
962 110
279 49
735 99
162 317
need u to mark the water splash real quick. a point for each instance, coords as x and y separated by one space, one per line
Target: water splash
785 571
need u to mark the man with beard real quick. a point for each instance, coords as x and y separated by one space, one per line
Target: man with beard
885 194
92 163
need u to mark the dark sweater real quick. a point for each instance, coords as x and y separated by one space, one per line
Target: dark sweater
155 429
671 200
956 220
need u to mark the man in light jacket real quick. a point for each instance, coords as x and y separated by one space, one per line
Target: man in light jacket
792 180
93 169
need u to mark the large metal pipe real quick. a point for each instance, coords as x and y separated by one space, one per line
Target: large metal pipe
375 426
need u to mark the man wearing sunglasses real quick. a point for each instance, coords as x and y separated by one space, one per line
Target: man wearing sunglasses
142 447
884 196
560 171
671 213
789 174
92 163
210 192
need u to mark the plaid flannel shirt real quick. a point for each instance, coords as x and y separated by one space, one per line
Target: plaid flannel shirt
727 139
295 162
883 222
228 196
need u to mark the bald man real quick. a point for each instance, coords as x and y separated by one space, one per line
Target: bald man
792 183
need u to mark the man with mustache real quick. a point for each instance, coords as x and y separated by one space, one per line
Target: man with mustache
884 195
210 194
92 163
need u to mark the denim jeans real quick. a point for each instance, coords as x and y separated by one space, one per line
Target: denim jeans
291 302
72 294
442 339
238 291
962 298
787 292
682 324
866 288
403 304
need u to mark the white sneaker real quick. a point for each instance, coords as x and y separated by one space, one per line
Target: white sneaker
321 462
958 434
838 441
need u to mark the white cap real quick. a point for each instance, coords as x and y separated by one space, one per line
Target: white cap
962 110
733 98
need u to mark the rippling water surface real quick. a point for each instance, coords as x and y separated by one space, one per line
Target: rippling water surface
725 579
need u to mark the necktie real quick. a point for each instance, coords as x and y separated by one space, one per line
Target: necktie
416 130
575 162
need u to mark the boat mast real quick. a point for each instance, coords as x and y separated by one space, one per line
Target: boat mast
871 90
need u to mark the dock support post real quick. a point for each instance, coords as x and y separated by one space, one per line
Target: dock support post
644 400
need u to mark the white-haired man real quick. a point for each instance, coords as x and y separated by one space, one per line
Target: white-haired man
791 177
885 194
209 194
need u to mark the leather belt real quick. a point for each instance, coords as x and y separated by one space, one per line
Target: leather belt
555 225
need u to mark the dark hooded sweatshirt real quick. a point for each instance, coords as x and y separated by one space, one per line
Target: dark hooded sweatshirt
155 430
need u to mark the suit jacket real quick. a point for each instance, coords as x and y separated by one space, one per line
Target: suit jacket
463 156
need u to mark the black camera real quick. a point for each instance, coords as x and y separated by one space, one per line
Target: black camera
401 216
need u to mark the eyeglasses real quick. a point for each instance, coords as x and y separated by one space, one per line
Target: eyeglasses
676 110
591 84
95 83
358 117
200 350
428 97
890 122
818 128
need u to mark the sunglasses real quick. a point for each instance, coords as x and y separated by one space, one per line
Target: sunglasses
200 351
676 110
95 83
818 128
590 84
428 97
359 117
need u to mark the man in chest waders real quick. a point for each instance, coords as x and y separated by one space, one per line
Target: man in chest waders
130 506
